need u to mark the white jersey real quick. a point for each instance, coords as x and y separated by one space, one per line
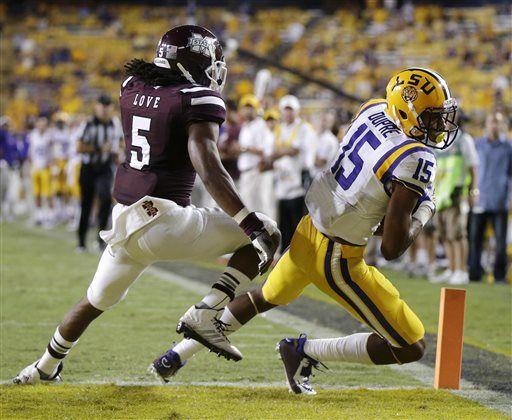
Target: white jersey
40 148
326 150
288 169
62 143
254 135
349 199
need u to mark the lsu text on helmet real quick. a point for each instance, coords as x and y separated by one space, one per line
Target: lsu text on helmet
420 103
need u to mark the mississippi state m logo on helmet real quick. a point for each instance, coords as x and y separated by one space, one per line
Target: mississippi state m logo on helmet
201 44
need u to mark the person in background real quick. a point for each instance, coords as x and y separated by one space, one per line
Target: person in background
294 154
455 185
62 144
255 145
228 141
8 167
493 201
98 145
327 143
41 159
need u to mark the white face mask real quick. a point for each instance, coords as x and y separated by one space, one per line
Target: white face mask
217 74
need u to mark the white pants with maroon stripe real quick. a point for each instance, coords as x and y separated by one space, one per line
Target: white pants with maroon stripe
158 230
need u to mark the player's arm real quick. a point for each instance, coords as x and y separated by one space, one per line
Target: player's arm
403 222
204 155
202 148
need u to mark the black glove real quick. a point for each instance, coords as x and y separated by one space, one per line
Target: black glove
265 243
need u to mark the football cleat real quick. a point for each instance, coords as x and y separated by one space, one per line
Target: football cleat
201 324
166 366
298 366
31 375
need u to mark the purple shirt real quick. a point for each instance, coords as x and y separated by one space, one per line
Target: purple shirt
155 124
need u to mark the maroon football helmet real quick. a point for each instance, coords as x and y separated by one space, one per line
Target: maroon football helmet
196 53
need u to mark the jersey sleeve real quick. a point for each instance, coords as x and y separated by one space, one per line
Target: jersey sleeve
416 171
202 104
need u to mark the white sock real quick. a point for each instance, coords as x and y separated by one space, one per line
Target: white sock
58 348
187 348
224 290
351 348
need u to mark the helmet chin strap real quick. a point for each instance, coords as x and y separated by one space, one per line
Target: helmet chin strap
185 73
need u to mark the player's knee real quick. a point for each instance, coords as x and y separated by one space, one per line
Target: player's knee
411 353
104 299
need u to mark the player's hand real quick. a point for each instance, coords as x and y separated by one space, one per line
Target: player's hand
264 241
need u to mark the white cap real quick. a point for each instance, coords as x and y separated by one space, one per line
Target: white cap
289 101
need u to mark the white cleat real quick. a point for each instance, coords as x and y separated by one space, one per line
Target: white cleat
31 375
459 278
444 277
202 325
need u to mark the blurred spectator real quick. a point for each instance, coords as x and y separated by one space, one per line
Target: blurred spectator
494 185
62 144
327 143
228 141
255 145
98 144
41 159
456 182
293 156
8 165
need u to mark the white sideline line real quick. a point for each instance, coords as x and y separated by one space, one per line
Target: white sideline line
424 374
224 384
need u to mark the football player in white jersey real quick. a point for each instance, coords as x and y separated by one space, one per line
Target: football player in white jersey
379 183
41 159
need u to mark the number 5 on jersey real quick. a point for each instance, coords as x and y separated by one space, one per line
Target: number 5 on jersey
140 141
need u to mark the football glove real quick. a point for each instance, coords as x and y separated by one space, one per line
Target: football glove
264 239
426 207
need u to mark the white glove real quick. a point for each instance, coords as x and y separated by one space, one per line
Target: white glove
426 207
264 237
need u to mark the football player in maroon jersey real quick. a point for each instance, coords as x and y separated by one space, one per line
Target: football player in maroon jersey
171 111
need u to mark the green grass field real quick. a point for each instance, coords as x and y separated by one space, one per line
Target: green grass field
42 276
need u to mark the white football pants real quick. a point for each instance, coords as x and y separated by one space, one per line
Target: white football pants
176 233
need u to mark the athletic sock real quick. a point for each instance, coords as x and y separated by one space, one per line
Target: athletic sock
224 290
187 348
57 349
351 348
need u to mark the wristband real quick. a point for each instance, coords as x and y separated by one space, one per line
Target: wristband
251 224
424 212
241 215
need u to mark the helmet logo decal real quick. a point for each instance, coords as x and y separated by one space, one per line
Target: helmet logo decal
200 44
167 51
409 94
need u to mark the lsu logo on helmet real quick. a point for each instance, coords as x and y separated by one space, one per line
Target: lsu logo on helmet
420 103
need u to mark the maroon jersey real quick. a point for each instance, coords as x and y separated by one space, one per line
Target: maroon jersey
155 121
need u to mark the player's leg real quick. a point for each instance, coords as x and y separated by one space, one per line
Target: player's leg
36 191
373 300
220 235
476 243
86 202
103 188
47 191
284 284
500 228
114 275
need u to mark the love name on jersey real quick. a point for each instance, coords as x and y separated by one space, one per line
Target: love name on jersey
147 101
382 122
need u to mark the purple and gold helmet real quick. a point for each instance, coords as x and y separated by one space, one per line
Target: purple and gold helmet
196 53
